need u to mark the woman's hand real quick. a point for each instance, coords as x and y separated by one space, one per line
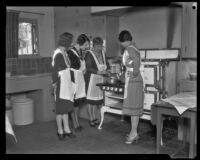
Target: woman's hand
102 72
54 87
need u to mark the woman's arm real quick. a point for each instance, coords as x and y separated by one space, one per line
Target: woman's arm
75 62
89 61
133 60
58 66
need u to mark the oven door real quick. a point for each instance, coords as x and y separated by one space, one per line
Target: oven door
150 75
150 97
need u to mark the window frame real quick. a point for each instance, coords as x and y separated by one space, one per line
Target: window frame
35 22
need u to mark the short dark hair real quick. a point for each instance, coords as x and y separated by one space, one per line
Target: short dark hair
125 36
65 40
82 39
97 41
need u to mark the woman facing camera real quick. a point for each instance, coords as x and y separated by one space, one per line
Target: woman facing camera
78 65
96 65
61 62
133 93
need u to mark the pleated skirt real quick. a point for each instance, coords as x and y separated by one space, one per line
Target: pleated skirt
133 104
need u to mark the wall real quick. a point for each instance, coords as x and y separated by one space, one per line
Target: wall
78 20
45 25
41 64
102 9
149 27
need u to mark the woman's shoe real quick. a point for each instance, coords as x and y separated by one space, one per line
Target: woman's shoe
127 135
70 135
96 122
60 136
92 124
132 140
80 128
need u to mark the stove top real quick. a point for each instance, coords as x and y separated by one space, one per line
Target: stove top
117 88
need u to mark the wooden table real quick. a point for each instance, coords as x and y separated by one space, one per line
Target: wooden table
163 108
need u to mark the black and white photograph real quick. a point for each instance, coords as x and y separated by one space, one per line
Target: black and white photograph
101 80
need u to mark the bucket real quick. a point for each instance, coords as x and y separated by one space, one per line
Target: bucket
22 111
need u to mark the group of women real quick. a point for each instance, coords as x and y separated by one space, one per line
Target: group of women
78 67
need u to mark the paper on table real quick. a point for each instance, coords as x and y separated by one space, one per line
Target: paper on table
182 101
9 128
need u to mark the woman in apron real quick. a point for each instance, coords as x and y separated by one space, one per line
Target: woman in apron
96 64
60 62
133 92
78 64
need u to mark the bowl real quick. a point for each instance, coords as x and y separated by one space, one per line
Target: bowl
193 76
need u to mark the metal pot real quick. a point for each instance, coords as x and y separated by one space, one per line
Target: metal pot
112 80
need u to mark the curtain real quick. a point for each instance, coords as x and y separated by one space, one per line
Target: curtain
12 23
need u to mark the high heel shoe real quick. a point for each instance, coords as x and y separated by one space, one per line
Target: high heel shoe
132 140
92 124
61 137
96 122
70 135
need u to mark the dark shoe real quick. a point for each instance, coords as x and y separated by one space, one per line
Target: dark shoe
61 137
80 128
70 135
96 122
92 124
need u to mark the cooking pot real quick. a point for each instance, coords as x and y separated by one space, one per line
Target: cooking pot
112 80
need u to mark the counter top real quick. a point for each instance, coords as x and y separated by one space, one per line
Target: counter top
29 76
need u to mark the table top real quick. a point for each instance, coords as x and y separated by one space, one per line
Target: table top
168 105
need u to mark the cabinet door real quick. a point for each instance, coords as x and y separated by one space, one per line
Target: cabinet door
189 31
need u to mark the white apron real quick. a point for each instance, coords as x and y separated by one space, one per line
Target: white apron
65 76
79 78
94 92
128 69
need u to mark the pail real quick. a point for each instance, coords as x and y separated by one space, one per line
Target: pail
23 111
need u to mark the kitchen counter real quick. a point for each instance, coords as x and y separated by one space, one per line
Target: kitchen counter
37 87
28 76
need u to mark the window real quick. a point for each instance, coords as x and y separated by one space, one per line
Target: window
28 37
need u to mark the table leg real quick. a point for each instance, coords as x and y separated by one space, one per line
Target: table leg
184 131
192 136
161 140
102 110
158 138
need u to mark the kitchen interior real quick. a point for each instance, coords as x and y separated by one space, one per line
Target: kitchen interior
167 39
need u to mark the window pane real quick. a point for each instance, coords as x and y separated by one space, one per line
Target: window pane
27 39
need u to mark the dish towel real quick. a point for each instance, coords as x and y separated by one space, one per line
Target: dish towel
182 101
9 128
67 87
79 84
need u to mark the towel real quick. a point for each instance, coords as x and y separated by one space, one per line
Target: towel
182 101
79 84
9 128
67 87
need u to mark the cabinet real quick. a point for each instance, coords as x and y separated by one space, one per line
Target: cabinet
189 31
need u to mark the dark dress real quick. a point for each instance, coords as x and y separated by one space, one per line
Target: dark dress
91 68
62 106
75 64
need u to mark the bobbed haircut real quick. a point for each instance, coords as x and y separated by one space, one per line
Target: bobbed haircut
82 39
97 41
125 36
65 40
